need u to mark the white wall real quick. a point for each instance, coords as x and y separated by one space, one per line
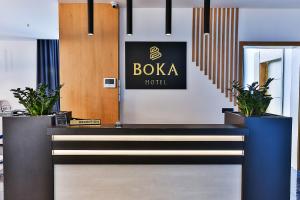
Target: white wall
267 55
295 100
251 65
42 17
17 67
288 63
200 103
269 25
291 105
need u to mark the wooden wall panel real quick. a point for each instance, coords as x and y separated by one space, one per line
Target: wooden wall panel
223 50
236 49
201 40
194 35
198 36
219 53
219 49
210 36
227 52
214 46
231 50
86 60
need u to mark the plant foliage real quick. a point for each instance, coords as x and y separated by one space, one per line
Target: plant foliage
39 101
253 100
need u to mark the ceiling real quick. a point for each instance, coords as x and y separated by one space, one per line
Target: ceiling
39 18
198 3
29 19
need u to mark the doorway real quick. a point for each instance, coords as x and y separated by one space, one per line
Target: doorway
86 62
279 60
260 64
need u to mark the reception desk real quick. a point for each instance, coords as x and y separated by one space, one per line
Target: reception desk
169 162
146 162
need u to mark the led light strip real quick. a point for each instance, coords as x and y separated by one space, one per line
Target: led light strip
148 153
197 138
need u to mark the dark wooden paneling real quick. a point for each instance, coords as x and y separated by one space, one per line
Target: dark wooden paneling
169 160
153 129
150 130
28 168
270 43
141 145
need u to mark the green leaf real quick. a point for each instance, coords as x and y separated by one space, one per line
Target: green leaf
254 100
39 101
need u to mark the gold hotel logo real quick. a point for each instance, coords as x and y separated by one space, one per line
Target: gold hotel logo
158 69
154 53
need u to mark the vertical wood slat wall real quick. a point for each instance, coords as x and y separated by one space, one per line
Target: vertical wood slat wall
217 54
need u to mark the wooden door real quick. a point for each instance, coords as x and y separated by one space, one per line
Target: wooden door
86 60
263 73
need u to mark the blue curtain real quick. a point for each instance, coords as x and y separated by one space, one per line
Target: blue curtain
48 65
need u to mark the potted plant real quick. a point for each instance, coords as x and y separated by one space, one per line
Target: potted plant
253 101
37 102
27 147
267 158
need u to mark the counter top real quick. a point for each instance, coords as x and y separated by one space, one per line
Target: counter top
135 129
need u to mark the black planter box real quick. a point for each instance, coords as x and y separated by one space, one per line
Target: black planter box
28 168
267 167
